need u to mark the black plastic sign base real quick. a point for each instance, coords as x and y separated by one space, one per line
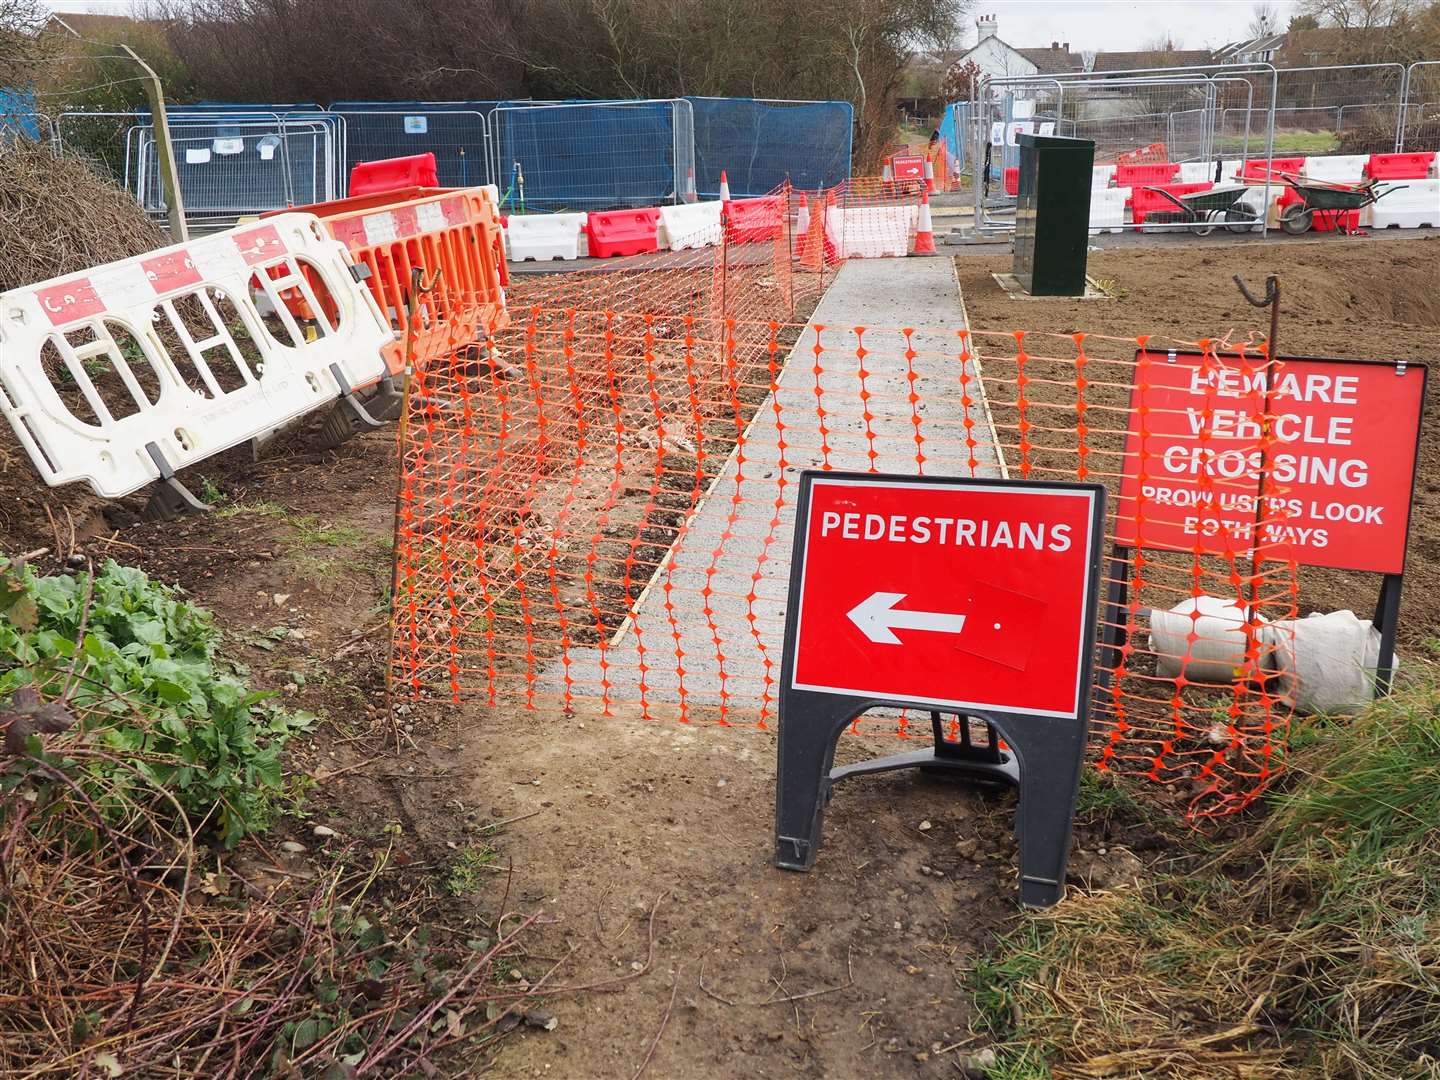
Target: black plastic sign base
975 626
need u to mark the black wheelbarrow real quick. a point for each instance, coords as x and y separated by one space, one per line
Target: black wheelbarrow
1206 211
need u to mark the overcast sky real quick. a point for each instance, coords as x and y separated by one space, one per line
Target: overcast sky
1121 24
1086 24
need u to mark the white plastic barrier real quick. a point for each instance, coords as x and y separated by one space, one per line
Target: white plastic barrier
1196 172
1337 168
126 373
871 232
1107 209
544 236
1101 176
691 225
1409 204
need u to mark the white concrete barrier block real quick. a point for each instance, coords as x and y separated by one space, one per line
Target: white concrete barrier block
1196 172
1107 209
871 232
1408 204
543 237
1337 168
690 225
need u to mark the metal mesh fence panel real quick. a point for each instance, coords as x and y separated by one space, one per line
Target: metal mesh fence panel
1420 129
759 144
458 134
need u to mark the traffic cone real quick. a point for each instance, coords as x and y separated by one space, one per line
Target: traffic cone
885 173
802 227
929 176
724 187
924 231
690 185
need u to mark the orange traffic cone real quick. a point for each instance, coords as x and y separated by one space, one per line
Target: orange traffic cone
690 185
724 187
924 231
929 176
885 173
802 227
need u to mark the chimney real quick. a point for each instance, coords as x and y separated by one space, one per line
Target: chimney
1054 46
987 27
1066 46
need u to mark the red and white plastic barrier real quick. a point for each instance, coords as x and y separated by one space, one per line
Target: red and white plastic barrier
1412 204
622 232
691 225
221 358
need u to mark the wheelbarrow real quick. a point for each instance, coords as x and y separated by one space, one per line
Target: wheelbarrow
1206 211
1318 198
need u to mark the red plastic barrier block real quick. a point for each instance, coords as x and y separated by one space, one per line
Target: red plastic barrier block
622 232
1145 202
392 174
1012 181
907 167
1147 175
1330 220
1257 169
1400 166
753 221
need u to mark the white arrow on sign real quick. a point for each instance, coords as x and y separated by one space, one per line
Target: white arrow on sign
877 619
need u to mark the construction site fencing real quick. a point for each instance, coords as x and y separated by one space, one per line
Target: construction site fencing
602 523
760 144
1420 117
458 134
594 155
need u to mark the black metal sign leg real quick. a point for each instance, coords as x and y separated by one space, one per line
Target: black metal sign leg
802 783
1050 763
1387 618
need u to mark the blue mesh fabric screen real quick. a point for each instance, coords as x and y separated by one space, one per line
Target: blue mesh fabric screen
17 113
587 156
952 131
760 143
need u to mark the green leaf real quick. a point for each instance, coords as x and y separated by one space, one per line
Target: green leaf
306 1032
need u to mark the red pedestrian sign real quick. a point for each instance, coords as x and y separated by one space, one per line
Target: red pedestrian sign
953 594
974 599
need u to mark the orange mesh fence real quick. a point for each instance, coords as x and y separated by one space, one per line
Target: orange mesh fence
602 521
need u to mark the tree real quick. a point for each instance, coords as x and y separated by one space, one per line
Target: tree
1264 19
23 44
960 81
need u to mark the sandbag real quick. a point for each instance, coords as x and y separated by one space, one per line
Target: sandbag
1326 662
1218 651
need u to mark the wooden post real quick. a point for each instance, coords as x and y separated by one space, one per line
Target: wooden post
169 177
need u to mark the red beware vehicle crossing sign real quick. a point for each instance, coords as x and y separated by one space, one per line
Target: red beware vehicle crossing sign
953 595
972 598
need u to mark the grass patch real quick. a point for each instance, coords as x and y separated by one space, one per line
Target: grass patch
1306 950
252 509
309 531
467 870
1286 143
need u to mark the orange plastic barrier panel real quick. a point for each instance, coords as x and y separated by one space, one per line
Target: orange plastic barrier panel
453 238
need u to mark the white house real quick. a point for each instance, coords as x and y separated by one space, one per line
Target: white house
997 58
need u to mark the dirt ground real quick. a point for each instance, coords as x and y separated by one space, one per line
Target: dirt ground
647 844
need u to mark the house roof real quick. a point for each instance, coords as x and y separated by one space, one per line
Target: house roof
1129 61
1264 43
1053 61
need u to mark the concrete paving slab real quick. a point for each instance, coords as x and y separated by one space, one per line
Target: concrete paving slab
719 600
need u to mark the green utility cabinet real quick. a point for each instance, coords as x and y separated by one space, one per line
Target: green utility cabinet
1052 216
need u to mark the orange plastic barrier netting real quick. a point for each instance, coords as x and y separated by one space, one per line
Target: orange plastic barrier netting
601 519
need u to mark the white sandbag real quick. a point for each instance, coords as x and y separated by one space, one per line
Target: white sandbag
1326 661
1218 652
